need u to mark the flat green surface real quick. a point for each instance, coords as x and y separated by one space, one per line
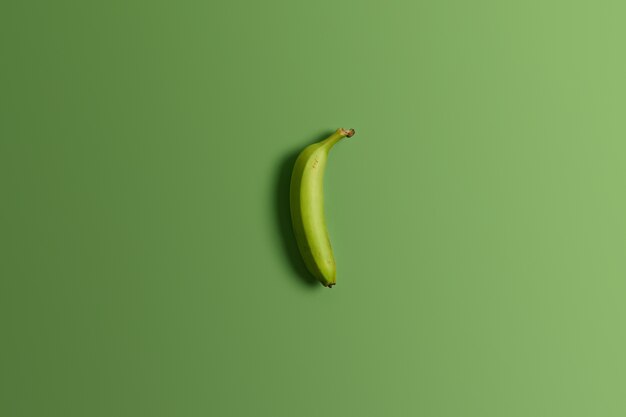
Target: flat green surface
478 216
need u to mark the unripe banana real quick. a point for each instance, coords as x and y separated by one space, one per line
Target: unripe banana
307 208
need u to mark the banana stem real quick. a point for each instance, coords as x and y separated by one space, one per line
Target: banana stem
338 135
348 133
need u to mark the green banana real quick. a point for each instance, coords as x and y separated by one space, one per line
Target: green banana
307 208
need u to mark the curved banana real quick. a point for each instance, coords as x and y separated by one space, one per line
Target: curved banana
307 208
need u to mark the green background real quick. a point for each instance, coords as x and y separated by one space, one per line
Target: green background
478 216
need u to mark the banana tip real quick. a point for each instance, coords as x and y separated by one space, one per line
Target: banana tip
348 132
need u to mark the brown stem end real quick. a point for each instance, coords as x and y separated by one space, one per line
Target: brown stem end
347 133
